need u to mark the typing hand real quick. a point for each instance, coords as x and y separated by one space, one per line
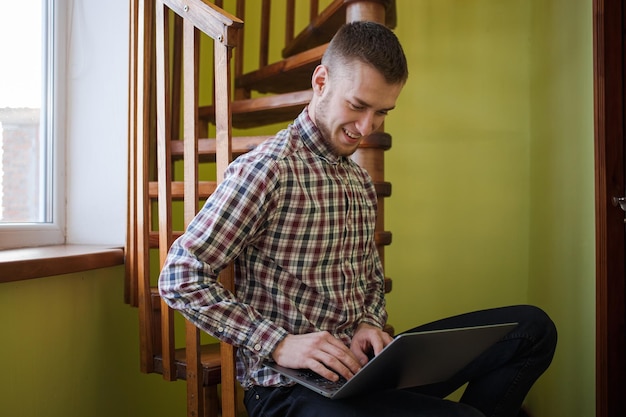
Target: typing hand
320 352
368 341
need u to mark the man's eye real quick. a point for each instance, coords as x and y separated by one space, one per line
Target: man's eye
355 107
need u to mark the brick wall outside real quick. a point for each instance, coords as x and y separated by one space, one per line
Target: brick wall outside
20 169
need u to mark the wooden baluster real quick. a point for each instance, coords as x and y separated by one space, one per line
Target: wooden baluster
145 50
314 6
130 275
240 93
177 54
239 55
164 175
266 7
223 157
290 20
195 392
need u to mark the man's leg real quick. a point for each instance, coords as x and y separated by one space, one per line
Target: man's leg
298 401
500 378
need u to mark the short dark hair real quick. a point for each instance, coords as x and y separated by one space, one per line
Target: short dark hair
371 43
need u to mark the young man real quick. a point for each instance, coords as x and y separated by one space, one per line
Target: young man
297 216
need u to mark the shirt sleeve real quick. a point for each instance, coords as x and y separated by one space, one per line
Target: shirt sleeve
189 278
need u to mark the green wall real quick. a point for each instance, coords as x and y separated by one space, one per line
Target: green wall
70 347
492 173
562 233
459 163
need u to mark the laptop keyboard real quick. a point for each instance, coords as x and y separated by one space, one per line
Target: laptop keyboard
321 381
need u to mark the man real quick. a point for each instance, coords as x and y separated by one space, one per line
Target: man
297 216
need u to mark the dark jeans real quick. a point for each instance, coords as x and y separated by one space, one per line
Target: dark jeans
498 380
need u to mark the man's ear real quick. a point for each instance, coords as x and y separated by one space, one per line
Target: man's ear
319 79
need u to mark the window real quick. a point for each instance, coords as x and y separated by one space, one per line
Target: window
30 139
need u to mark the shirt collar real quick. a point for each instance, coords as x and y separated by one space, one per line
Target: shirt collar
312 138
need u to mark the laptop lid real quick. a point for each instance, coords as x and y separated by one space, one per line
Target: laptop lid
410 360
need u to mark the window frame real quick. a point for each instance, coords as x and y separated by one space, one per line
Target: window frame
52 123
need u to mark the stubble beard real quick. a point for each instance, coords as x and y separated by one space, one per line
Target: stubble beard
325 130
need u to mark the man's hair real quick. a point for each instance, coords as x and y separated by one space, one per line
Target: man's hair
371 43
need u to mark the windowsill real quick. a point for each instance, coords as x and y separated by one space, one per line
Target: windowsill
45 261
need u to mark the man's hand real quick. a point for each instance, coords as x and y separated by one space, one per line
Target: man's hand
320 352
368 340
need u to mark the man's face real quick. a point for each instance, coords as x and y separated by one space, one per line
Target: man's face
350 104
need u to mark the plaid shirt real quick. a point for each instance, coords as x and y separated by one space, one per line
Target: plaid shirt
298 222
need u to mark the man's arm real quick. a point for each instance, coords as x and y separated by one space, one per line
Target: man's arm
215 237
186 286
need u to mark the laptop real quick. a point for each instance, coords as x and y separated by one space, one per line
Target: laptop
410 360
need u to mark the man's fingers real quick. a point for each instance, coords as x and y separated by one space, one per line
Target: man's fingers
335 359
320 352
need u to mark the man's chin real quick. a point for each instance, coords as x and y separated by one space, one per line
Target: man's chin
346 151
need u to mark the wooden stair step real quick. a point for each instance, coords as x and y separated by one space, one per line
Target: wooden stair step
377 140
209 357
388 285
207 146
262 111
319 31
381 238
206 188
209 353
389 329
290 74
243 144
157 304
326 24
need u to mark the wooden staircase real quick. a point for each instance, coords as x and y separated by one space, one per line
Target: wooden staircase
175 164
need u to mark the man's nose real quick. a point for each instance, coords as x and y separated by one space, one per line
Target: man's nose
366 123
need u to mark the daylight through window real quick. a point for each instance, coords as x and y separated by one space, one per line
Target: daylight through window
25 74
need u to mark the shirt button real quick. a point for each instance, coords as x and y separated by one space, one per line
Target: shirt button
220 329
257 347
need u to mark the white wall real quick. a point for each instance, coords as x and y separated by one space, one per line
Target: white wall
97 115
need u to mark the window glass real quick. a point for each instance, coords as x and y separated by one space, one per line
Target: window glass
31 169
25 159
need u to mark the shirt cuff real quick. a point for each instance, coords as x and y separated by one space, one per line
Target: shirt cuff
264 338
374 321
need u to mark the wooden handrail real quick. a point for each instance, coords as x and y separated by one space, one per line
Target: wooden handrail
214 21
